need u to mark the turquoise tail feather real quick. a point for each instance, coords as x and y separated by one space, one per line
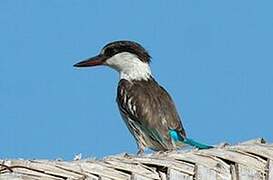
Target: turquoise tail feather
178 138
196 144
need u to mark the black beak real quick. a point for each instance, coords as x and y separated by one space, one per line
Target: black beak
94 61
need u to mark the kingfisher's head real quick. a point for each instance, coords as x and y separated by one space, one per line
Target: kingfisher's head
129 58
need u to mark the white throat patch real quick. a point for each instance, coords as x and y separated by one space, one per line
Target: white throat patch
129 66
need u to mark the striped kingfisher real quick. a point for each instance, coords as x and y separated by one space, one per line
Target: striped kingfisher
146 107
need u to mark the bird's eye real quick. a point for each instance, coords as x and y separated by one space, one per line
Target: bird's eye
109 52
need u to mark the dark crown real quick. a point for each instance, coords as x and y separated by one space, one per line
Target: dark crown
116 47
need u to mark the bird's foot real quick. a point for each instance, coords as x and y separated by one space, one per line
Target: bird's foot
159 153
140 152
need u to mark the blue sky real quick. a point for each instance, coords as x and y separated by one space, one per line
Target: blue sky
214 57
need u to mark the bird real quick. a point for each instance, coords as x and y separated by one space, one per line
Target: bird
145 106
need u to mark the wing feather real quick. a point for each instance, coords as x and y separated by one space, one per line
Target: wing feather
149 109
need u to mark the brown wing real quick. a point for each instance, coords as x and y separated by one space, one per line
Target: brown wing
151 108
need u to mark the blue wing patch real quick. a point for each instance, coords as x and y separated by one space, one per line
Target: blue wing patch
175 136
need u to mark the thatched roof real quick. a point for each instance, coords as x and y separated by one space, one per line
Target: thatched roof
245 161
